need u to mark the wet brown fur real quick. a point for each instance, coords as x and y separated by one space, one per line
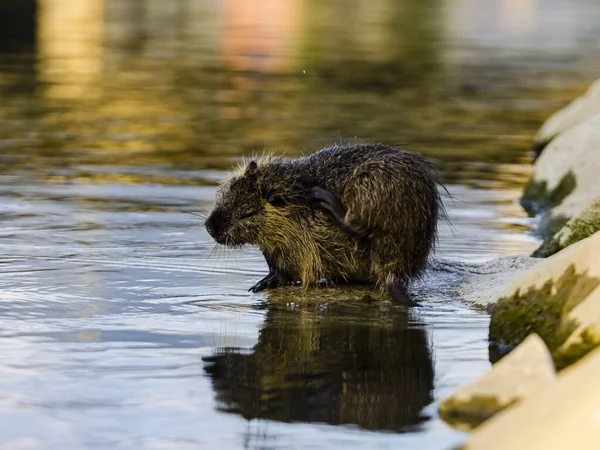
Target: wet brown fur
389 194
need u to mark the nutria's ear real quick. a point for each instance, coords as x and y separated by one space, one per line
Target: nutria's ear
277 200
251 169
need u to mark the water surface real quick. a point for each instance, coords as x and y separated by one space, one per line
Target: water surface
121 324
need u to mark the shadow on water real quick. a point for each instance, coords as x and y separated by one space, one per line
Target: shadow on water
341 362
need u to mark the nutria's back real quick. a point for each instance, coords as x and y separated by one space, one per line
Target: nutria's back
365 213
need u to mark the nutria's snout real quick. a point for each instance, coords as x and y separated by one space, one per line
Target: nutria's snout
214 226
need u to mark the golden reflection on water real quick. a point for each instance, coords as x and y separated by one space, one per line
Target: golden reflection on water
262 35
70 46
168 82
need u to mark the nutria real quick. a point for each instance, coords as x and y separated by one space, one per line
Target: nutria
355 214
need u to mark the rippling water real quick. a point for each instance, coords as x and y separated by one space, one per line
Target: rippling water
121 324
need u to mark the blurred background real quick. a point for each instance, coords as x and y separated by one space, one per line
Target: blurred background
120 323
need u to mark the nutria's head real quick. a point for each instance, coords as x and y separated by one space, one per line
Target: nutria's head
248 205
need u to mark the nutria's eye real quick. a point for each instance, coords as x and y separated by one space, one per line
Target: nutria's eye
277 200
248 214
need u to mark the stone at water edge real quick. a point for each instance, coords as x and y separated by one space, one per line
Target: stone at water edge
586 337
579 110
562 416
565 180
540 300
522 371
576 229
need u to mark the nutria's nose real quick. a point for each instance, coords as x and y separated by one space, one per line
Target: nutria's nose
214 223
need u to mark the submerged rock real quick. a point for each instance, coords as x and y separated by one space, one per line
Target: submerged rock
576 229
543 300
525 369
561 415
480 285
576 112
565 180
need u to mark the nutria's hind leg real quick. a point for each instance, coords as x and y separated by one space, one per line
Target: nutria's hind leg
326 201
272 280
400 295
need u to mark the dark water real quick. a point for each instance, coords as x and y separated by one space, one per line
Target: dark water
122 327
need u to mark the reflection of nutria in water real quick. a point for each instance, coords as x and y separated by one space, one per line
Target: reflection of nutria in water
350 365
364 213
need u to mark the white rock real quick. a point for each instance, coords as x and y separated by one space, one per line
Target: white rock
589 219
586 316
563 415
576 112
544 296
575 151
584 256
522 371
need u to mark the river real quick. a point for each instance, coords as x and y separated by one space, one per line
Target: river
123 326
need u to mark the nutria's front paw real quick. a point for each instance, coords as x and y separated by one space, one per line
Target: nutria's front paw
272 280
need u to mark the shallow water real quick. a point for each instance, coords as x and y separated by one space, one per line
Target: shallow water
120 324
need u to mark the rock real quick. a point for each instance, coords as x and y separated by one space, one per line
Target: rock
525 369
576 229
576 112
565 176
586 317
562 415
541 300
